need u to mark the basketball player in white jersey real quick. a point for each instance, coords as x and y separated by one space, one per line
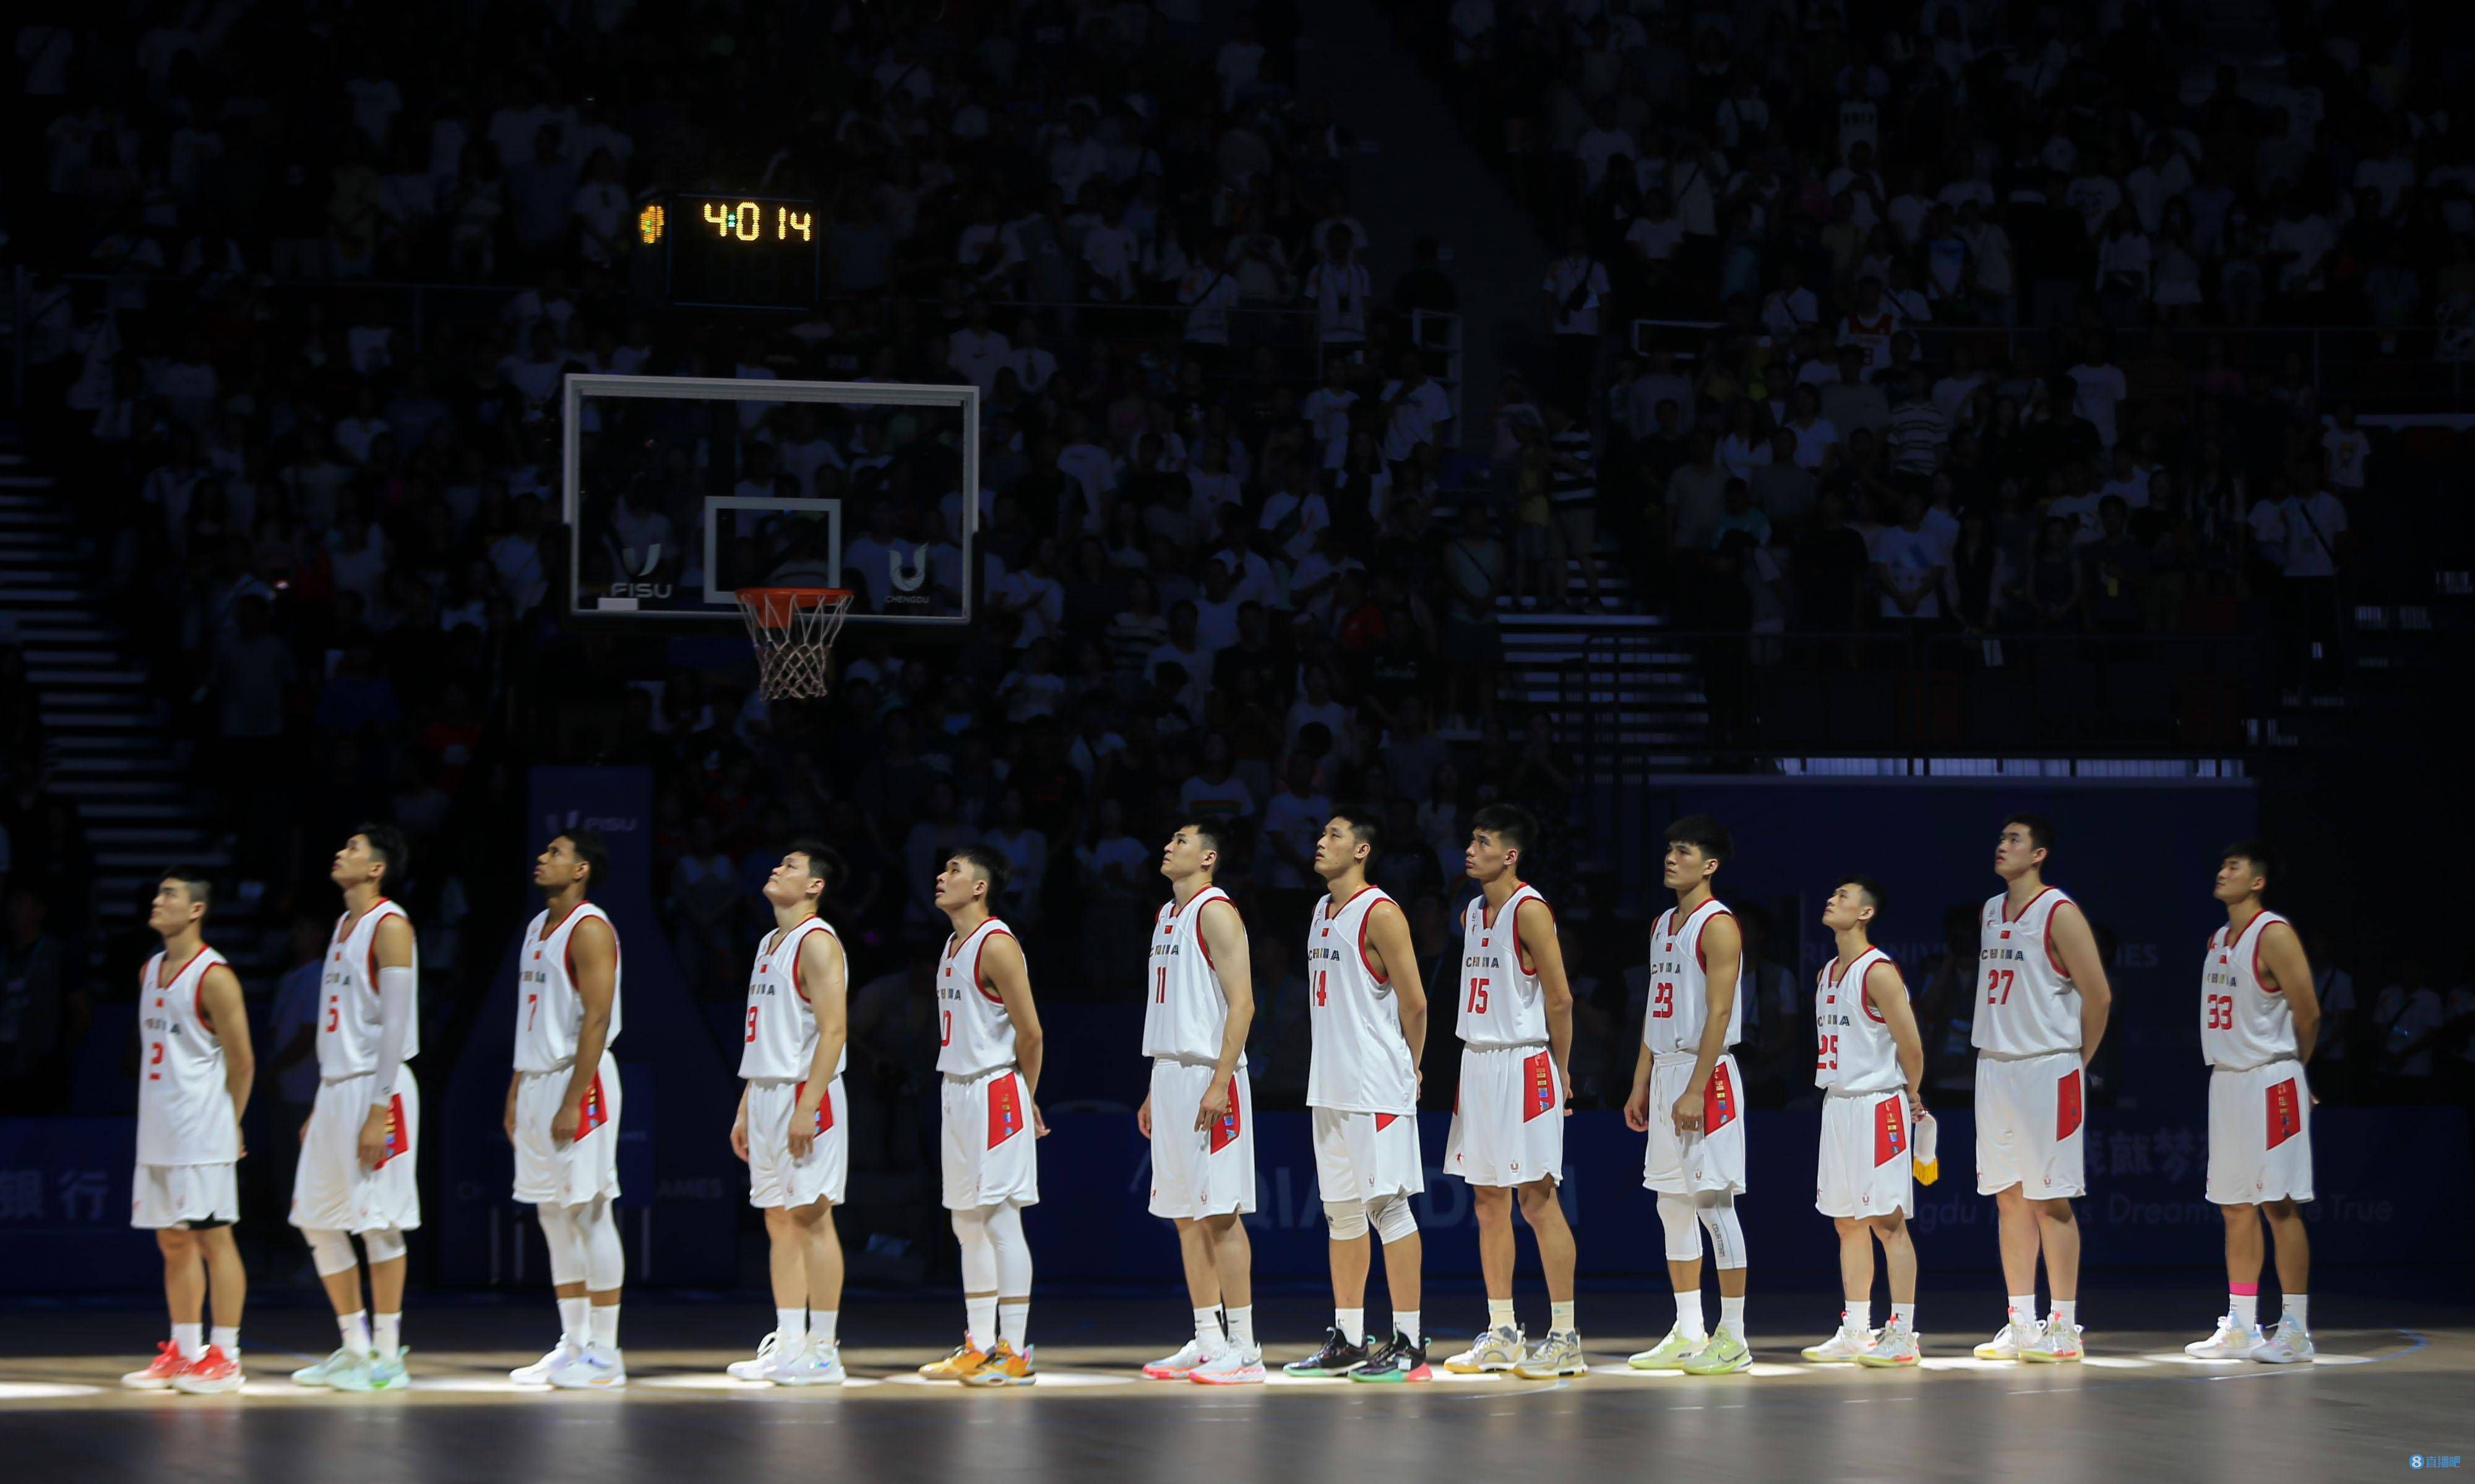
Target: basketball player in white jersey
1200 1112
1507 1131
194 1067
358 1147
563 1104
1367 1012
2040 1013
1689 1097
794 1123
989 1052
2259 1016
1869 1062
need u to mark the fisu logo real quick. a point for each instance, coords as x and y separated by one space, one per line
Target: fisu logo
641 567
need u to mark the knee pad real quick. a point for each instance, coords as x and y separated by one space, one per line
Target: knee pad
1675 1220
1347 1219
566 1244
329 1252
1718 1210
605 1260
384 1245
1394 1220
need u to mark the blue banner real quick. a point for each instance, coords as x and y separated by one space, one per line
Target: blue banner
64 1208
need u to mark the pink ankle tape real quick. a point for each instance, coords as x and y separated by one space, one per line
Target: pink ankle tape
2243 1290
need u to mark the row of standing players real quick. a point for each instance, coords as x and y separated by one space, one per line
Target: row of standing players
2045 1008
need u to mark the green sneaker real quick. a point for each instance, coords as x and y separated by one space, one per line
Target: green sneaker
1668 1354
325 1372
1725 1352
375 1374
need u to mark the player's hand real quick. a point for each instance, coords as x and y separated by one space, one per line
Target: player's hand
1564 1086
739 1138
374 1138
1214 1108
1039 1125
509 1123
803 1131
1688 1114
1637 1110
1143 1117
303 1135
563 1123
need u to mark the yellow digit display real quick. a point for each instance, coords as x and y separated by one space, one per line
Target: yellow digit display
648 223
720 215
787 221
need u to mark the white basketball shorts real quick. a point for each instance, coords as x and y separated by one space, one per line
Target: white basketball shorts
1367 1157
586 1167
1508 1119
2259 1134
775 1180
987 1146
1200 1172
330 1190
2030 1120
1677 1163
184 1195
1865 1167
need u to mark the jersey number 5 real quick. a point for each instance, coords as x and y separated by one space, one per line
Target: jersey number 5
1478 997
332 1011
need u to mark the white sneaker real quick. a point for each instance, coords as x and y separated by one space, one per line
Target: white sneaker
597 1367
1842 1348
538 1373
760 1367
2055 1343
1230 1366
2234 1340
816 1365
1894 1345
1180 1366
2008 1341
2287 1346
1494 1350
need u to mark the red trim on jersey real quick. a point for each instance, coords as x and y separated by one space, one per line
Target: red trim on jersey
1334 915
1521 955
2059 966
548 927
977 983
1864 998
2266 921
1703 959
1363 921
2009 918
1202 899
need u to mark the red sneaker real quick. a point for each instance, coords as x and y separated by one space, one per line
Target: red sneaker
166 1369
210 1373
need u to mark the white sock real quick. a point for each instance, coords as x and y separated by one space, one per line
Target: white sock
1206 1329
1859 1315
791 1327
2298 1308
2067 1313
356 1328
191 1340
1352 1323
1731 1315
1688 1315
2023 1308
1013 1322
1499 1314
2246 1308
387 1334
605 1326
576 1321
981 1316
1241 1327
1407 1322
1559 1319
821 1326
227 1339
1904 1315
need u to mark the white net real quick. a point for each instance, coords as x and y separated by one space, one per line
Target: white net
793 631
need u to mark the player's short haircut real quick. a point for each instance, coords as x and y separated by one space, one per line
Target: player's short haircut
1366 824
2259 853
825 861
1880 899
1510 824
593 850
1212 831
990 865
1704 833
386 842
2040 830
193 880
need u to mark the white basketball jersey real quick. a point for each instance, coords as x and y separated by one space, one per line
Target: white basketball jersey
184 1113
1503 1004
1361 1062
348 1022
1680 985
781 1024
2027 1005
974 1034
1852 1047
1186 1010
2243 1023
548 1009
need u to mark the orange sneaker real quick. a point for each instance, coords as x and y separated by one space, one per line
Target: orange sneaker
967 1361
158 1376
210 1373
1006 1366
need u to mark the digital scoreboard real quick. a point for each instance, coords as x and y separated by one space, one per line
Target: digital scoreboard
735 252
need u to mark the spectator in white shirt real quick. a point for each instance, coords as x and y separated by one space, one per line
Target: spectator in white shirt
1093 471
1415 406
978 352
2099 388
1338 285
2345 448
1032 364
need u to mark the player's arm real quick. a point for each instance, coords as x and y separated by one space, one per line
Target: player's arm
2281 953
1723 956
1533 932
1224 937
739 1127
2075 942
1887 994
1002 967
219 996
1396 957
824 974
392 949
593 957
508 1118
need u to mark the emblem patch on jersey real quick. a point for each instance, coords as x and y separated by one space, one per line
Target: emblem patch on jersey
1538 1087
398 1138
1005 1110
2285 1112
1225 1128
1719 1107
825 1105
593 1111
2066 1104
1890 1131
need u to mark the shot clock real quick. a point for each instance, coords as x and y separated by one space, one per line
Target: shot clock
735 252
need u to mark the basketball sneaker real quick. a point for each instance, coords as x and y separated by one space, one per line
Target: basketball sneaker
2233 1339
1394 1362
1668 1354
2287 1346
1843 1346
967 1361
161 1372
210 1373
1894 1344
816 1365
760 1367
538 1373
1726 1354
1231 1366
1336 1357
375 1372
324 1373
1180 1366
2016 1334
1496 1349
1557 1354
2055 1343
1006 1366
597 1367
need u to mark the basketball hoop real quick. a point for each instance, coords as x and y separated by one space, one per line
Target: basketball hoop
793 631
